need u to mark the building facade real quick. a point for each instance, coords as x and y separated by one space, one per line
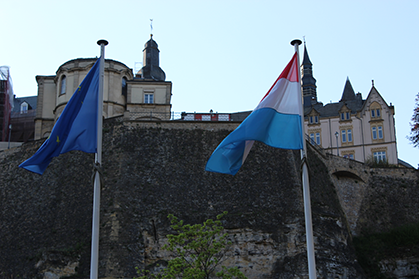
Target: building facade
145 95
356 128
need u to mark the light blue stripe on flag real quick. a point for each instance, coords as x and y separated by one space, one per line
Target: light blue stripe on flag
276 121
265 125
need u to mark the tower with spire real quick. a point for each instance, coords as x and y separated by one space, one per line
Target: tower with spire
151 69
309 87
149 94
354 128
145 95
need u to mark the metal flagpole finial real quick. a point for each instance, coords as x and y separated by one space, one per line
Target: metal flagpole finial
102 42
296 42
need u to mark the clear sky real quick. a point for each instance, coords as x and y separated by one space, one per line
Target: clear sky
225 55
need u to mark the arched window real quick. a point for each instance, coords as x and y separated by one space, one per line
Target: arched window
24 107
63 84
124 86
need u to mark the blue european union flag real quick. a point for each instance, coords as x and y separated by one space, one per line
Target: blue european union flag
75 129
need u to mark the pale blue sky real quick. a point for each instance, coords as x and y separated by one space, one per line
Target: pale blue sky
225 55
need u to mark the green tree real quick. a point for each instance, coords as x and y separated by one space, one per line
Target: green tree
414 125
198 250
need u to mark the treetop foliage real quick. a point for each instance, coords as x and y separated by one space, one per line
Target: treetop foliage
198 250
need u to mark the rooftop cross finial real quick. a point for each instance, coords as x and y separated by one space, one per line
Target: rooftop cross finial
372 83
304 40
151 26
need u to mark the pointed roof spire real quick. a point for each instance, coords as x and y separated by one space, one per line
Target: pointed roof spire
308 81
306 59
348 92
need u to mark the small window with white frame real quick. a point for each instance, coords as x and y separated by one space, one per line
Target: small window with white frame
343 135
375 109
380 132
377 132
375 113
149 98
315 137
318 138
24 107
380 156
312 138
314 119
374 133
346 135
349 155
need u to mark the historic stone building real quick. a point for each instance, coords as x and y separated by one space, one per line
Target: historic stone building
145 95
355 128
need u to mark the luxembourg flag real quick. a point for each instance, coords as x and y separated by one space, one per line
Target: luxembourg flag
276 121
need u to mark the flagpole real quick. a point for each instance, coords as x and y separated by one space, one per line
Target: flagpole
94 264
306 185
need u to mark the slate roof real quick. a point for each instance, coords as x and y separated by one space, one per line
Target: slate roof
352 101
306 59
32 101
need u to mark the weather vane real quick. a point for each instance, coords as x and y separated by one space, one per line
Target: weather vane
151 25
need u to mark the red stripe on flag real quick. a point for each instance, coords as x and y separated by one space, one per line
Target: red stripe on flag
290 73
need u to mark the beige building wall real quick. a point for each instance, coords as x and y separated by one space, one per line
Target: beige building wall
53 95
363 144
138 109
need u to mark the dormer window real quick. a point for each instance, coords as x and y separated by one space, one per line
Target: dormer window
63 85
345 115
24 108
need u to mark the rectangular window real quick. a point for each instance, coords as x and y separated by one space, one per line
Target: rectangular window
311 119
347 116
380 132
24 108
343 132
318 138
342 116
349 135
316 119
378 113
372 113
148 98
349 156
374 132
312 138
380 156
206 117
63 85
